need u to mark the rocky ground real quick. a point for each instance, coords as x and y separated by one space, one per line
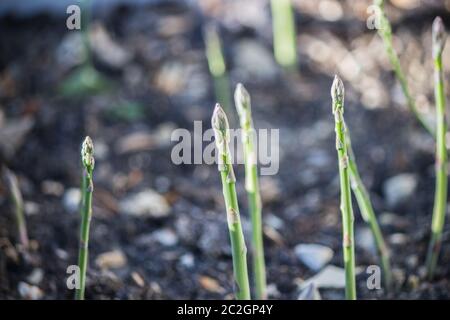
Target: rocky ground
159 230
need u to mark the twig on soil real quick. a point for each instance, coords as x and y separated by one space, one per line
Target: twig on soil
440 196
88 162
243 106
221 128
337 94
16 196
385 32
283 27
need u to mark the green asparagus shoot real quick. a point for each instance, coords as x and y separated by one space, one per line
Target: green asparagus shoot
367 212
221 128
337 94
243 106
440 196
17 199
283 28
217 66
88 162
385 32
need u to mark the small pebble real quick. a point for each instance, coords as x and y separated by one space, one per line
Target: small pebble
166 237
147 203
329 277
399 188
398 239
187 260
210 284
29 292
314 256
36 276
111 260
310 292
71 200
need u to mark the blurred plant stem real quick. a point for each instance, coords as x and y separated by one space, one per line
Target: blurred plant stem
16 196
284 38
385 32
348 244
221 128
367 212
217 67
243 106
85 79
88 162
440 196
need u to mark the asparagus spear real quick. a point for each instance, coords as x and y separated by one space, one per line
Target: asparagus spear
283 25
243 106
385 32
440 198
88 162
221 128
337 94
217 66
17 199
367 212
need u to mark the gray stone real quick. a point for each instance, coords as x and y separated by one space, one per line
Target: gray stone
166 237
187 260
364 239
329 277
29 292
309 292
71 200
147 203
314 256
36 276
399 188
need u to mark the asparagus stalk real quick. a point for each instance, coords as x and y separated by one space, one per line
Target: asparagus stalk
217 66
87 159
440 197
243 106
337 94
385 32
17 199
221 128
283 26
367 212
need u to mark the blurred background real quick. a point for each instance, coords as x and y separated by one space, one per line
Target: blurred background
137 71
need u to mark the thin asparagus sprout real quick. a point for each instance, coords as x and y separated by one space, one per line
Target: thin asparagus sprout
440 196
337 94
385 32
88 162
217 66
221 128
243 106
367 212
17 199
283 25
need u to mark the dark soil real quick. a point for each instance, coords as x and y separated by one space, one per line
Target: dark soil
304 195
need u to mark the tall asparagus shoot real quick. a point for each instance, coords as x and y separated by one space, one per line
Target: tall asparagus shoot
283 27
17 199
221 128
367 212
243 106
337 95
385 32
440 196
88 162
217 66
